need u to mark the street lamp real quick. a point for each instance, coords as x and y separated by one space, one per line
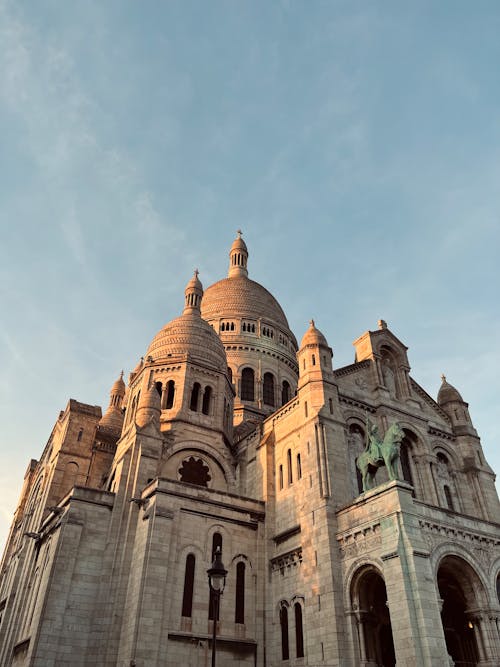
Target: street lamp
216 582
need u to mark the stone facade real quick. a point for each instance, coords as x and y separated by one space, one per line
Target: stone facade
229 435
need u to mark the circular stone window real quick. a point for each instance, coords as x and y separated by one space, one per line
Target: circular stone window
195 471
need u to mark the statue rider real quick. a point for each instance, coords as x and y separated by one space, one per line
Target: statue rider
373 442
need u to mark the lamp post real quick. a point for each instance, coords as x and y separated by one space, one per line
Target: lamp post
216 582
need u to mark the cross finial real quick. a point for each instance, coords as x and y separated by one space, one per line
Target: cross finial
239 232
443 377
121 375
196 273
311 322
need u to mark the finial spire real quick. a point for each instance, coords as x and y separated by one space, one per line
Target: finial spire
443 377
311 322
239 232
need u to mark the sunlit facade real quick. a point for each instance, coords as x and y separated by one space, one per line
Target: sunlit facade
230 435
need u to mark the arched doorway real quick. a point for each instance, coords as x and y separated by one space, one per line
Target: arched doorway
369 600
458 588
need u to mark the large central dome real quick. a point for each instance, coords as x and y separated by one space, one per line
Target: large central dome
240 296
260 348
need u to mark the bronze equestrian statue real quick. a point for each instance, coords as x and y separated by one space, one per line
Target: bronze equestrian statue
378 453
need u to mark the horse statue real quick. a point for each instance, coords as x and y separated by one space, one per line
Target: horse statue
378 453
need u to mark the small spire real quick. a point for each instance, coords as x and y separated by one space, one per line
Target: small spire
311 322
239 232
443 377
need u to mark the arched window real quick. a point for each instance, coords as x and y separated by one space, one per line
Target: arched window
216 544
449 499
80 433
285 392
268 393
299 633
289 466
158 388
207 395
314 360
239 608
247 385
170 394
281 476
299 467
230 374
187 597
195 394
285 650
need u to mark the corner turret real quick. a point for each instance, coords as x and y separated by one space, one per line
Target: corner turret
113 417
455 407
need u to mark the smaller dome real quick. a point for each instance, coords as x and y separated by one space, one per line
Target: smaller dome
118 387
112 419
447 393
190 334
313 336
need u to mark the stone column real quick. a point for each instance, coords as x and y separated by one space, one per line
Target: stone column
411 592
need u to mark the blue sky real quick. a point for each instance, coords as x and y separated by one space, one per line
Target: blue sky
356 144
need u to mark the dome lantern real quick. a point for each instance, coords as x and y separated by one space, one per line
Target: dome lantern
193 294
238 257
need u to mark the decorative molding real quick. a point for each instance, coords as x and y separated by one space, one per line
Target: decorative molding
432 430
287 560
288 407
359 541
482 547
356 404
352 368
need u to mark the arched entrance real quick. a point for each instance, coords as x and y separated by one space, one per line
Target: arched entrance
369 600
459 587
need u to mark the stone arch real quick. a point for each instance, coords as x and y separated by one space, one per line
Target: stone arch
495 582
223 474
461 593
455 549
368 602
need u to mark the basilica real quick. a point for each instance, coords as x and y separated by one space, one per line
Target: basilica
230 440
